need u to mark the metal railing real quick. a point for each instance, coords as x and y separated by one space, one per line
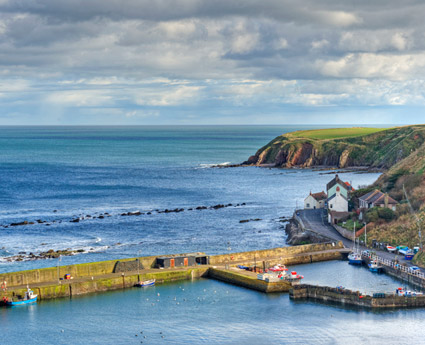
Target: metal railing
395 265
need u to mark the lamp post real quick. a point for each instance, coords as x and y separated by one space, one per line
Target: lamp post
365 234
138 264
59 260
228 249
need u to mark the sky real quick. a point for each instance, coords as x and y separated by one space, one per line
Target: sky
182 62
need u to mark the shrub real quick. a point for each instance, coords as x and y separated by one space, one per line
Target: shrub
386 213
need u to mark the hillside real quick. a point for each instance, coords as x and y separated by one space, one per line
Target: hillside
343 147
399 152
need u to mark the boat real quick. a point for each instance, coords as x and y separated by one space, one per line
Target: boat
293 277
278 273
409 255
29 297
404 250
355 259
145 283
391 249
407 293
278 268
374 266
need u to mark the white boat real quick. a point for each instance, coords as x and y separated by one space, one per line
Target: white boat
278 273
354 258
407 293
293 277
144 283
278 268
391 249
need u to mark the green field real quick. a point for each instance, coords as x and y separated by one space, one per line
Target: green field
336 133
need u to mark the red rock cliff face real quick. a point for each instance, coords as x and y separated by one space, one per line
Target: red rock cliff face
303 156
291 156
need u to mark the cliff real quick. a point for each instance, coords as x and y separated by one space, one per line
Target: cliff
343 147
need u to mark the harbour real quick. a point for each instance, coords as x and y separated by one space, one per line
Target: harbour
49 283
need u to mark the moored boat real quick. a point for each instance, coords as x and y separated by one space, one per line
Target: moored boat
407 293
29 297
293 277
278 273
355 259
391 249
145 283
409 255
278 268
374 266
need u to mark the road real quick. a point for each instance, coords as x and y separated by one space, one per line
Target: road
317 222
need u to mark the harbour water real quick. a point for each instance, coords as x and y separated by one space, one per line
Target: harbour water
211 312
93 170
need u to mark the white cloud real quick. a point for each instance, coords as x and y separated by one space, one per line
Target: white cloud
171 96
80 98
339 18
319 44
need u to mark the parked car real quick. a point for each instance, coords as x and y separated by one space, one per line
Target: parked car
413 269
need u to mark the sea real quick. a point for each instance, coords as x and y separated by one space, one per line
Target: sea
54 176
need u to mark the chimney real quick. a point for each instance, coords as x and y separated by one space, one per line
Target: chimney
386 200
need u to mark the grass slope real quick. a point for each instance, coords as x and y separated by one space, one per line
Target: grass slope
342 147
335 133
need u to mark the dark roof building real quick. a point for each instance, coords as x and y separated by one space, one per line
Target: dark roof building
334 181
377 198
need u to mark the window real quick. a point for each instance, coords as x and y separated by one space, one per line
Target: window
308 205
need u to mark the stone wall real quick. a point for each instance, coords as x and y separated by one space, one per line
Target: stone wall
274 253
354 298
50 274
71 288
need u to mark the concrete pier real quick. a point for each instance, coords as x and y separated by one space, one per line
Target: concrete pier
354 298
248 280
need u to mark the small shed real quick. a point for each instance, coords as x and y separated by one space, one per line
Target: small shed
181 261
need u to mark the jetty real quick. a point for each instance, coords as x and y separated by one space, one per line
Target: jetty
74 280
341 296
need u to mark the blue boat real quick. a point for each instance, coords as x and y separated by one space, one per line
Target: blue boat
374 266
409 255
355 259
29 297
145 283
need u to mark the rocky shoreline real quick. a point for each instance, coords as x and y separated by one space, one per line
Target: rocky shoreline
50 254
297 236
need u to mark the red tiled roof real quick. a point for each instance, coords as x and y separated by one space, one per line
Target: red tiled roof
319 196
349 186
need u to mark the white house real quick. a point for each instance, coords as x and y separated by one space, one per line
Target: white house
315 200
337 192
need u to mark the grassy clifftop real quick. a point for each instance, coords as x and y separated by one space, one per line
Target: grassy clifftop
341 147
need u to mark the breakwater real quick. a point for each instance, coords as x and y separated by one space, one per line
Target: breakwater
398 271
343 296
248 281
121 274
